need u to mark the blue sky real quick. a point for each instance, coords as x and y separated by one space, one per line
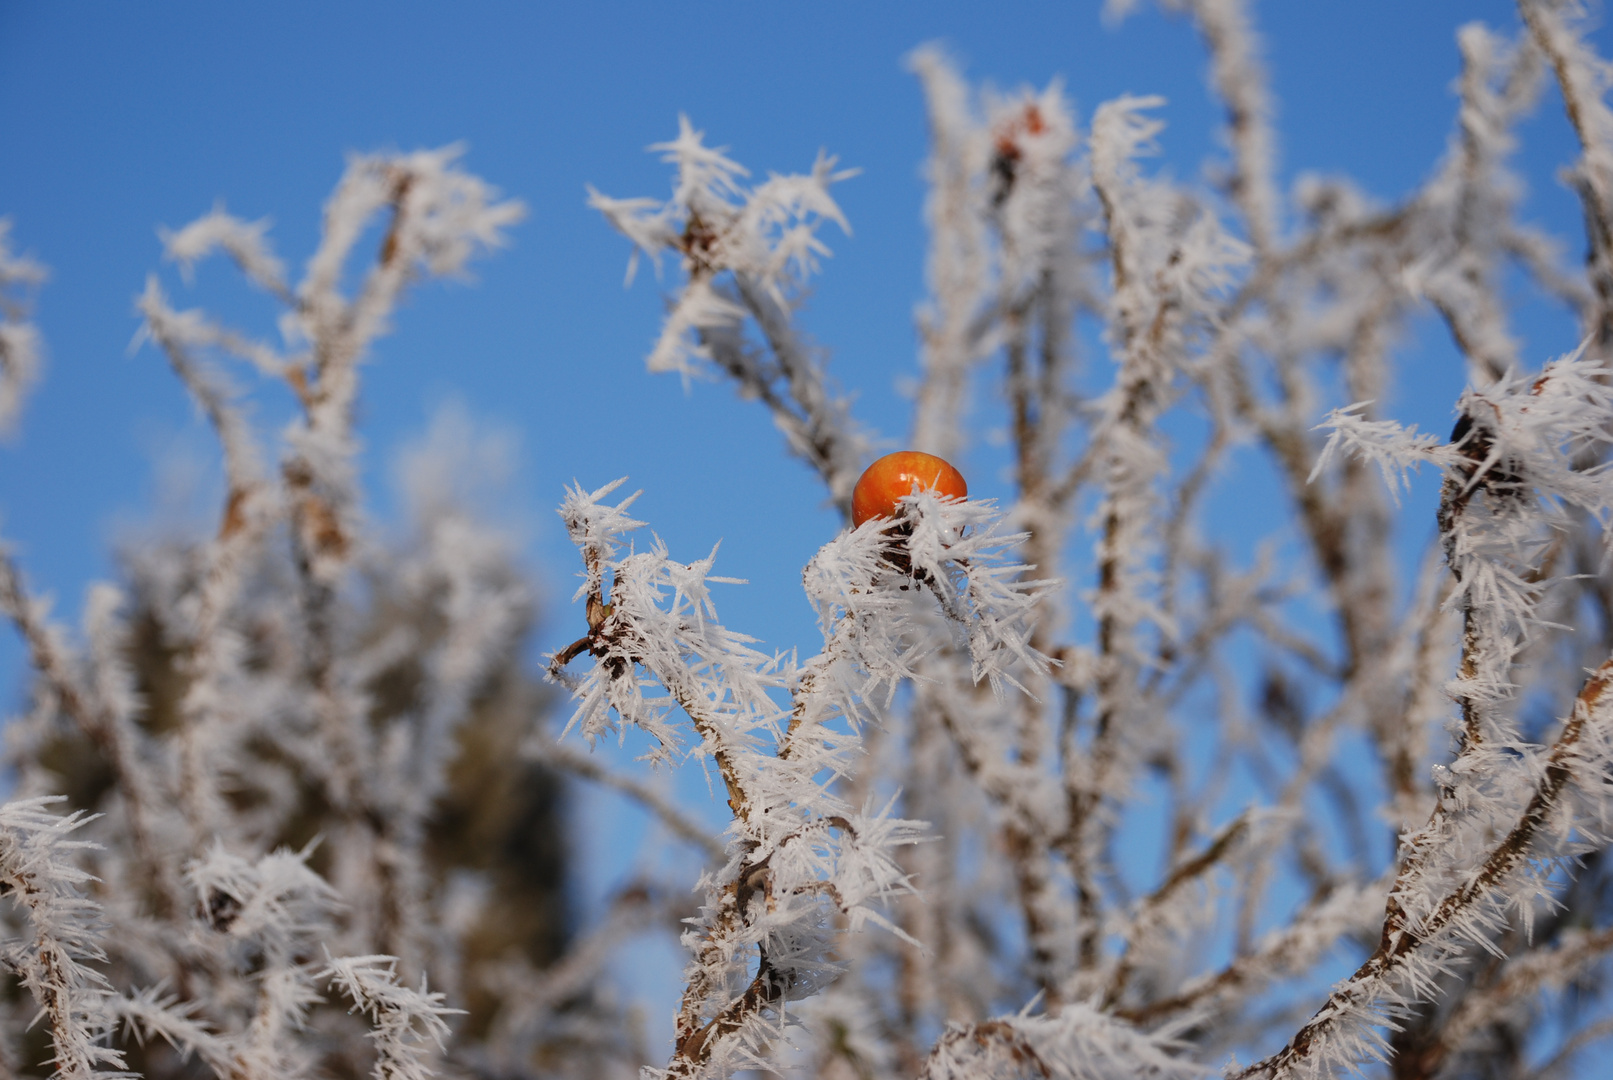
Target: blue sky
119 119
116 119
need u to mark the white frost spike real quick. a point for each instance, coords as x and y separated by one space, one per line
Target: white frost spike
594 527
244 241
1394 449
409 1025
150 1013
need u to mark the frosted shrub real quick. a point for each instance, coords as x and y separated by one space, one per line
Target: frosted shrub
286 724
1192 690
1072 786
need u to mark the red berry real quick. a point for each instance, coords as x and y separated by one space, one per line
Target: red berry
892 476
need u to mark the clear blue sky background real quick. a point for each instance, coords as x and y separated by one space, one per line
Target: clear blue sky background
119 118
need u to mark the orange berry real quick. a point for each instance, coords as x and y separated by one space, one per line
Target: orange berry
892 476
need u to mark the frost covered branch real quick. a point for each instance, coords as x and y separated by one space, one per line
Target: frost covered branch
38 872
20 349
747 254
798 851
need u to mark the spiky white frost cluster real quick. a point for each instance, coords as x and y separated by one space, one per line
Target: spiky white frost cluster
410 1029
765 237
803 862
61 937
747 254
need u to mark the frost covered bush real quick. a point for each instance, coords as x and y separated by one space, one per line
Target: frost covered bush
291 747
1072 786
1351 768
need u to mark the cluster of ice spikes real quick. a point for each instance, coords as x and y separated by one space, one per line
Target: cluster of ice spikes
803 864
